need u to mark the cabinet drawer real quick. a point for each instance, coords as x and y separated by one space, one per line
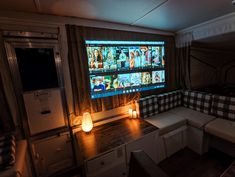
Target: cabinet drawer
101 162
52 154
106 161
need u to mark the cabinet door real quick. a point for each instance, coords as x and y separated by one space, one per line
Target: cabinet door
146 143
52 155
110 164
44 110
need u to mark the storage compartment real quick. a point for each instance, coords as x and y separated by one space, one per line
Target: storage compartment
197 140
175 140
52 154
44 110
108 164
146 143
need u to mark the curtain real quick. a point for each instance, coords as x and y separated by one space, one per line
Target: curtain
8 105
79 69
183 58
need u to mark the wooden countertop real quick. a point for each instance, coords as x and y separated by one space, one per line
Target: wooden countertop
108 136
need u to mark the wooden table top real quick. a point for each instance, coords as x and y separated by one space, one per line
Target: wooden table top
108 136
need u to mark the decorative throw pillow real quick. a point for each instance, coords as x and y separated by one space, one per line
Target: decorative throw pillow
169 100
223 107
147 106
198 101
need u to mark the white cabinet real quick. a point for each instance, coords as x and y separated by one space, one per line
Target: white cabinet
146 143
52 154
110 164
44 110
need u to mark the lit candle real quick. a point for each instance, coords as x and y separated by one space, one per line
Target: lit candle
134 114
130 113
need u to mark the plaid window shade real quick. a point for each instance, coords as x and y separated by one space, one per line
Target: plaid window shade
7 152
169 100
198 101
147 106
223 107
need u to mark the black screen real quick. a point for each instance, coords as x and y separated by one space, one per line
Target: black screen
37 68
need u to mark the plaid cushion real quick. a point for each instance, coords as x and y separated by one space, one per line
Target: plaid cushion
198 101
147 106
169 100
223 107
7 152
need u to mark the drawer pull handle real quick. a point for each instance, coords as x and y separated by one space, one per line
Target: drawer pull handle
58 149
46 112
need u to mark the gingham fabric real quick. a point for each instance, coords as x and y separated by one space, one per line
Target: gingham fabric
169 100
198 101
7 152
147 106
223 107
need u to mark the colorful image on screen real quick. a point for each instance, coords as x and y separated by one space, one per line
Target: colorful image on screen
158 76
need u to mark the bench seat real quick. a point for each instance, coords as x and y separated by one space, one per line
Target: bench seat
222 128
166 122
195 118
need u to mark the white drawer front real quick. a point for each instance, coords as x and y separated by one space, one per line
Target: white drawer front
52 154
103 163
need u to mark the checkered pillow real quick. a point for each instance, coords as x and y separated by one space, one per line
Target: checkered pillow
223 107
7 152
198 101
147 106
169 100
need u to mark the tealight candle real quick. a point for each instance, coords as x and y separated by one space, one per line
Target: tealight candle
134 114
130 113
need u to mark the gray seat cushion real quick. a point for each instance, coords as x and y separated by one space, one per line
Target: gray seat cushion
166 122
194 118
222 128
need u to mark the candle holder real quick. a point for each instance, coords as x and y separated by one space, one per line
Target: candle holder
134 114
130 113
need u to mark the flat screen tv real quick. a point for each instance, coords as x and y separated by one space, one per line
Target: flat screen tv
122 67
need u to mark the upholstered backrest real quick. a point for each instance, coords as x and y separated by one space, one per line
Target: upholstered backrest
223 107
7 152
169 100
147 106
198 101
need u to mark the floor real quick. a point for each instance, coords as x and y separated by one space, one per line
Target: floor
187 163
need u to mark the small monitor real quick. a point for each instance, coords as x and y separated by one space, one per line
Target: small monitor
37 68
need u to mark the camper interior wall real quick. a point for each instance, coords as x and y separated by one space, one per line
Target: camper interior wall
19 21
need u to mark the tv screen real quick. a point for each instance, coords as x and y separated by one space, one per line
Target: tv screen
121 67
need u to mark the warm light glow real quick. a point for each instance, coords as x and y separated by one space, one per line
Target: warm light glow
130 113
134 114
87 123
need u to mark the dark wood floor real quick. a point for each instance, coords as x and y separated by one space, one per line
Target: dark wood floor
187 163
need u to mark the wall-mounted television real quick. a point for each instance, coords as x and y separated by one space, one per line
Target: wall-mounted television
122 67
